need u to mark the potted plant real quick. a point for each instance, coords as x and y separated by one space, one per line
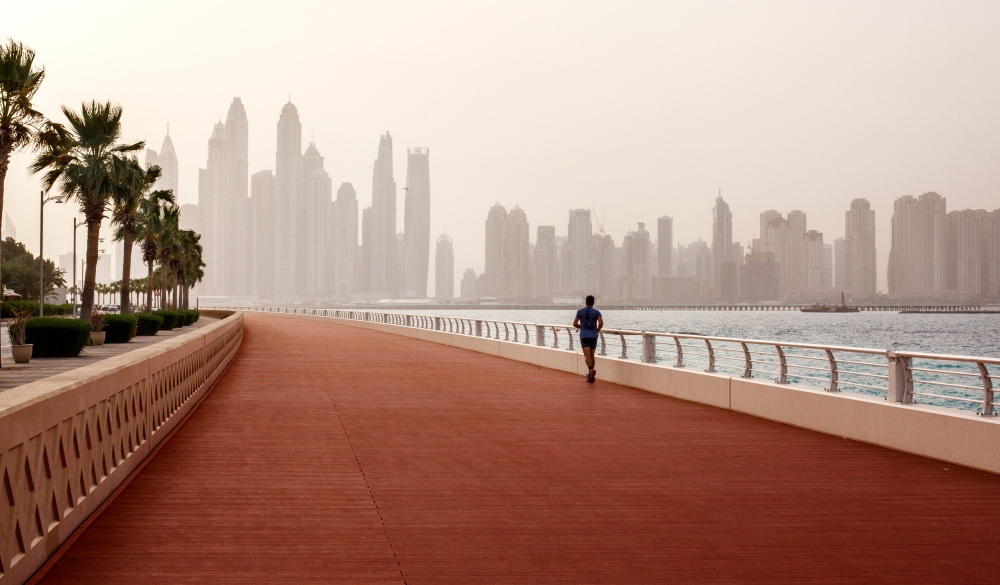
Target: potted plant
97 333
16 330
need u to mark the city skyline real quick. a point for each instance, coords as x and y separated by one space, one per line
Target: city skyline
633 126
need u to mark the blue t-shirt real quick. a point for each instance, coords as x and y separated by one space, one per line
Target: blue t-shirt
588 322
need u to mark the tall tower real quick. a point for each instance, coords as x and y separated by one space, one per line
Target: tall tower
919 235
383 222
166 159
546 262
859 248
444 269
310 238
722 247
263 192
417 223
345 242
496 246
235 203
664 246
213 186
288 166
579 238
517 275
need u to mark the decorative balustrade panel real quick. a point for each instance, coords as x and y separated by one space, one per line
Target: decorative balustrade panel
68 441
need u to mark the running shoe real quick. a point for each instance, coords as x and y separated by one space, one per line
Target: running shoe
593 376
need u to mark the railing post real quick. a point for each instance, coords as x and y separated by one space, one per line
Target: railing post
479 328
711 356
648 348
896 391
539 336
747 362
680 353
987 390
783 375
437 323
833 372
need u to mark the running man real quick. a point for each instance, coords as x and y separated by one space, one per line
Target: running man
590 322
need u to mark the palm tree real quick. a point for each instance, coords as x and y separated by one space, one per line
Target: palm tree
193 266
133 185
149 224
84 159
19 122
167 242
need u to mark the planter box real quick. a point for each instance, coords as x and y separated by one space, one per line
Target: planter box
21 353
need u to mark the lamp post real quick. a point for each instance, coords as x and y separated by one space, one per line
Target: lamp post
76 288
41 243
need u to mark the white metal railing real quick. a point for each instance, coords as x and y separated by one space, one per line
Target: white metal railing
963 382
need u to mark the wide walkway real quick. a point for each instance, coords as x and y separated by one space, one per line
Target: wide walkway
329 454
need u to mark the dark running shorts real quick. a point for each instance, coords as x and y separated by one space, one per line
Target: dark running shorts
590 342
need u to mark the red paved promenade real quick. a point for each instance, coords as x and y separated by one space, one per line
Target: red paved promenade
329 454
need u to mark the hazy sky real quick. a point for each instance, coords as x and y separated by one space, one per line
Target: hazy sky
639 109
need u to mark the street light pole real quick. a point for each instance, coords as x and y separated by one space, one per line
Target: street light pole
75 287
41 251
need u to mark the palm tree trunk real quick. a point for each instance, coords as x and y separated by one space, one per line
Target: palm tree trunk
127 271
149 287
90 274
163 286
4 164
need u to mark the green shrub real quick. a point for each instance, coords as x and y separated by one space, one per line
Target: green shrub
56 336
197 315
192 316
170 319
119 328
148 324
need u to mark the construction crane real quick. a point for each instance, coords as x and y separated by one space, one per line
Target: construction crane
600 225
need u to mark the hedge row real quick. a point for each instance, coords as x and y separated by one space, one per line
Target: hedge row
7 308
148 324
56 337
119 328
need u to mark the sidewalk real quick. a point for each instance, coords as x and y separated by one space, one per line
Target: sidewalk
14 375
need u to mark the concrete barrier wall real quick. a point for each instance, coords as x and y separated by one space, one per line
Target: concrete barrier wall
949 435
68 441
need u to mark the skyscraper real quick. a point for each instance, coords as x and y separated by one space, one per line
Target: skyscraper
517 274
785 239
859 249
578 236
496 245
345 243
839 263
364 282
213 183
314 247
722 240
546 278
468 286
383 222
309 222
664 246
166 159
288 166
263 193
603 247
417 223
919 235
444 269
973 269
817 270
236 203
